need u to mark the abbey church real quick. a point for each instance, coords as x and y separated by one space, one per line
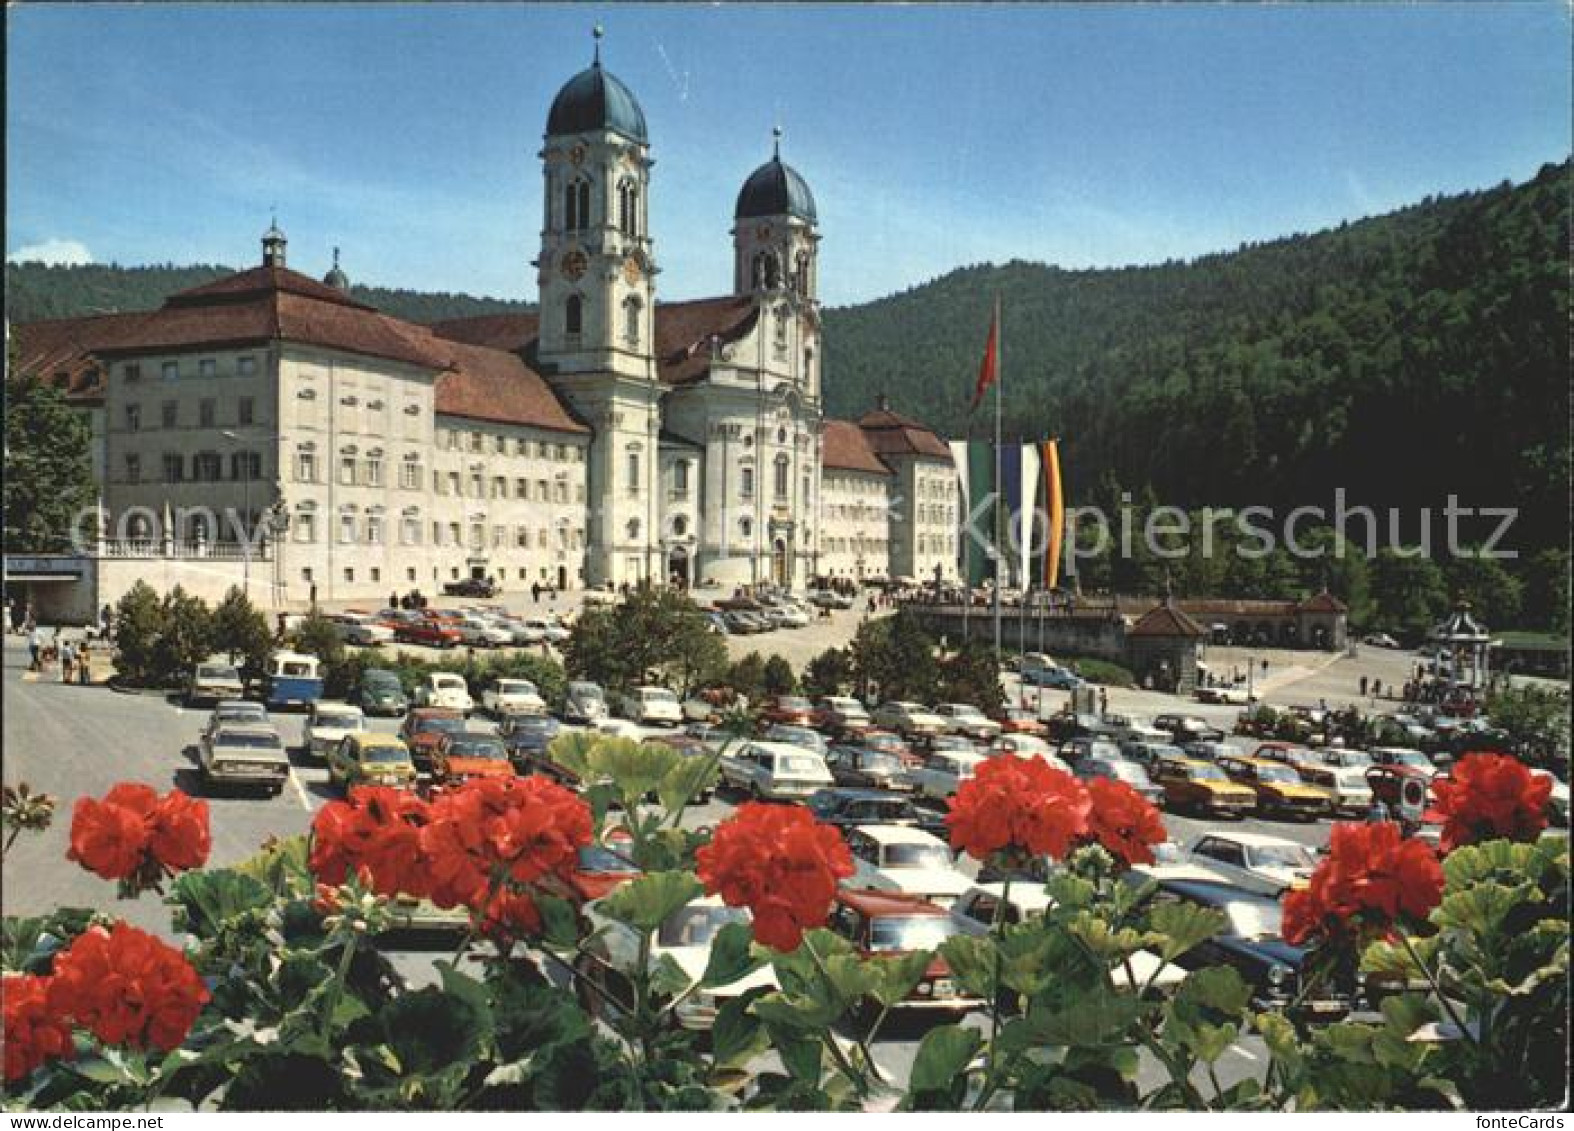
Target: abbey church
606 438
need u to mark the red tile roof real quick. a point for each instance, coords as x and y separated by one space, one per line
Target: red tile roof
512 332
490 384
893 434
1166 620
845 446
260 282
1324 602
63 351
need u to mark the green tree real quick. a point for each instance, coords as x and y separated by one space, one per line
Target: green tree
1546 602
651 634
48 468
971 674
778 677
318 636
1537 721
894 656
829 673
1407 591
240 629
747 676
139 622
1493 593
186 639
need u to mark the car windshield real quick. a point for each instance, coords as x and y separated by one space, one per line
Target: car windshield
338 719
380 682
915 932
878 760
793 703
1277 773
883 742
1128 772
697 926
798 764
515 687
1205 773
447 681
585 691
1414 758
241 711
963 711
384 754
440 726
1353 758
658 695
482 747
594 858
1279 856
217 671
917 856
1253 918
250 741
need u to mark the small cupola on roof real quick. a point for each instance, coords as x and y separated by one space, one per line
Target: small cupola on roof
775 189
595 100
273 244
336 278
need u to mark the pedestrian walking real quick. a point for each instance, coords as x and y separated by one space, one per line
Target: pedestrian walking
1364 682
35 647
1103 701
535 592
68 657
1377 689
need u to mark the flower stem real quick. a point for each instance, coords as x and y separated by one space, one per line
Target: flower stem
856 1078
1437 990
992 1064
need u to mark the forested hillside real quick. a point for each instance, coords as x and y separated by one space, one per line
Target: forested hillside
1402 357
35 291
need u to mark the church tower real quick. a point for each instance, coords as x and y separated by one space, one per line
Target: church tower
596 340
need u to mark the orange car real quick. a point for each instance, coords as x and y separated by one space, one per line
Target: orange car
462 755
1019 720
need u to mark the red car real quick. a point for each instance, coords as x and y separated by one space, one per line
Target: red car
461 755
887 743
1019 720
789 710
887 922
599 870
1388 782
430 631
423 728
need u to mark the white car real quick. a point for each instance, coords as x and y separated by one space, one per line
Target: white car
686 936
548 630
829 599
1029 746
943 773
908 719
616 728
214 679
327 723
1234 696
966 719
445 689
358 628
1351 793
787 616
974 914
1558 799
483 633
1267 865
775 771
1129 728
652 705
236 711
512 697
905 859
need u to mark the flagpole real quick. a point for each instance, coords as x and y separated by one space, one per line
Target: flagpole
999 556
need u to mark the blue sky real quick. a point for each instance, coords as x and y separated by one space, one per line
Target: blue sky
933 137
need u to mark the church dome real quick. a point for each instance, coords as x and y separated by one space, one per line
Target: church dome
775 189
336 277
596 99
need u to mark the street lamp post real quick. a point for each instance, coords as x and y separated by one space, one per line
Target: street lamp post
246 534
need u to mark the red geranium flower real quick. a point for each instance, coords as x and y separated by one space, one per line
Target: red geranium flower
781 864
137 837
35 1032
1371 877
1023 804
1491 795
127 987
492 831
376 834
1123 821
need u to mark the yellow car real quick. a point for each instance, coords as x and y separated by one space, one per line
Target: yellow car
1192 784
1279 788
370 758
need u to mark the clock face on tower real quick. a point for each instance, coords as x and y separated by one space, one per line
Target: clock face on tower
575 263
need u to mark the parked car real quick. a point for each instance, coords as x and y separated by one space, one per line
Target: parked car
1341 757
1210 751
362 629
907 719
1291 754
1130 728
775 771
885 741
462 755
888 922
599 871
528 734
942 774
244 754
424 728
688 746
836 714
1279 788
1121 770
584 702
1187 728
1253 944
873 769
326 725
294 679
849 807
787 616
507 696
829 599
906 859
545 629
1150 754
1026 746
471 587
1193 785
1401 756
1076 749
797 736
370 758
1268 865
212 680
794 710
1236 696
236 711
976 909
445 689
611 959
1388 783
1381 640
380 693
481 633
652 705
967 720
1348 787
1020 720
429 631
1054 678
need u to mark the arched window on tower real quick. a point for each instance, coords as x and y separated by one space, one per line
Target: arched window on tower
628 207
576 205
632 309
801 275
781 331
782 472
573 316
767 271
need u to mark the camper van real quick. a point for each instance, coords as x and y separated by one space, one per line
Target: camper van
293 678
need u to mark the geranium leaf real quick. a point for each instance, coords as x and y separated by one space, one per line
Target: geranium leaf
203 902
732 956
571 750
1180 927
686 779
972 961
559 923
645 902
1219 989
738 1035
634 767
945 1051
1482 907
667 978
893 977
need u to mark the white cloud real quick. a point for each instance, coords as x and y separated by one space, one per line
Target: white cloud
54 252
